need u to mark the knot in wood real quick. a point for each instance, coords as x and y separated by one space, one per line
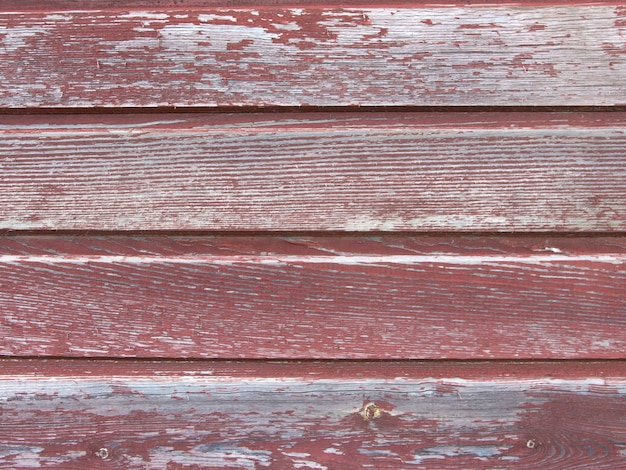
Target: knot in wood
371 411
103 453
531 443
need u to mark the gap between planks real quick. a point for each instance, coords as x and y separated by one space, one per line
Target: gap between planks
306 110
311 369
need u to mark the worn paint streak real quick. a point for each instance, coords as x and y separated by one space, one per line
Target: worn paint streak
356 172
324 297
475 55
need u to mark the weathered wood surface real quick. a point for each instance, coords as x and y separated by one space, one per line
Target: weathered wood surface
313 297
69 5
315 171
312 415
337 56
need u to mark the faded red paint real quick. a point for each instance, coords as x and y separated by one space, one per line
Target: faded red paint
188 290
327 297
355 172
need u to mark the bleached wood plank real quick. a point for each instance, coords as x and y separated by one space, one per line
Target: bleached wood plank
315 171
313 415
315 55
313 297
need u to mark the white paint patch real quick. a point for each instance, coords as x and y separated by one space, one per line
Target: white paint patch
177 342
189 40
287 26
308 464
146 15
210 455
378 452
13 39
605 343
459 222
57 17
441 452
209 18
333 450
89 350
22 456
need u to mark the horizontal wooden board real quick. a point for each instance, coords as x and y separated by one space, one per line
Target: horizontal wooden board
72 5
313 297
312 415
320 56
315 171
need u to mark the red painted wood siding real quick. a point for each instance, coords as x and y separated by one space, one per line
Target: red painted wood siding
312 415
321 56
315 171
303 234
333 297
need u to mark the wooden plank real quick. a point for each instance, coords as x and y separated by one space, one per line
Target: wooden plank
315 171
315 55
312 415
313 297
70 5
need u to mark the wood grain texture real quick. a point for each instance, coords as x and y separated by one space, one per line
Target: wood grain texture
312 415
338 56
315 171
73 5
313 297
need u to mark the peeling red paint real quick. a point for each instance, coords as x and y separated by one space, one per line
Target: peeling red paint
614 50
406 283
107 58
238 46
537 27
509 412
